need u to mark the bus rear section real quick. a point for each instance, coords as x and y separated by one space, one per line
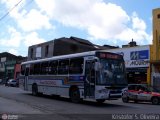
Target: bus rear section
92 75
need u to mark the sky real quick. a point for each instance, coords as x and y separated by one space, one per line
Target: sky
112 22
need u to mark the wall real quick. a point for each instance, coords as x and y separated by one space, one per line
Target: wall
155 49
17 70
156 35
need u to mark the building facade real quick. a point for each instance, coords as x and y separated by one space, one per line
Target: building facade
155 50
62 46
7 65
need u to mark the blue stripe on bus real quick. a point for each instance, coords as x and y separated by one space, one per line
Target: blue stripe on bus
66 80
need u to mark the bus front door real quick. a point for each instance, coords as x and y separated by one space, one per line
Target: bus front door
89 84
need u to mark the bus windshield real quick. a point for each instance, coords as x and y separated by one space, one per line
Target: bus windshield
112 72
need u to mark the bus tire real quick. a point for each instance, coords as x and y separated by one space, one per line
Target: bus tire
34 90
75 95
100 100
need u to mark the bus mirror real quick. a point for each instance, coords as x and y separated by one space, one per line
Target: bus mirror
97 66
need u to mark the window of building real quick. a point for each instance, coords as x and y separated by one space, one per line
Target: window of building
158 16
76 66
38 52
3 65
46 50
63 67
31 53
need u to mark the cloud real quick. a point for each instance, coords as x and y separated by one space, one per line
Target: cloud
34 20
138 23
13 40
98 19
32 39
11 3
136 32
30 20
101 20
16 39
13 51
46 6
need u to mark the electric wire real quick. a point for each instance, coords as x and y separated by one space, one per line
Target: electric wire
6 14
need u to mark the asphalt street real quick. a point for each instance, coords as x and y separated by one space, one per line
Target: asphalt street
14 101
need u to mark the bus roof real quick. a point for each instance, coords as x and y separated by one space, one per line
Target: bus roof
65 56
61 57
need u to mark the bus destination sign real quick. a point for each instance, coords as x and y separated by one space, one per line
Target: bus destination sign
109 56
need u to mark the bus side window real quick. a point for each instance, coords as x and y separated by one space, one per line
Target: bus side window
63 67
44 68
37 68
52 68
27 72
31 69
76 66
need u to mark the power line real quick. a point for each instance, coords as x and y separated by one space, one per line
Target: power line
10 10
22 7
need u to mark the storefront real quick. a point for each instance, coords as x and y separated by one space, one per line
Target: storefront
155 73
137 60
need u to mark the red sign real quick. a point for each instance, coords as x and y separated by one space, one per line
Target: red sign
110 56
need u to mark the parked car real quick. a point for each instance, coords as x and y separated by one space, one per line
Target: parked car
141 92
12 83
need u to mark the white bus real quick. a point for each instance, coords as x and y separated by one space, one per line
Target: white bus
89 75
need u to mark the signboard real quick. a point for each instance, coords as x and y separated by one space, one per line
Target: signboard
3 59
134 56
139 55
108 55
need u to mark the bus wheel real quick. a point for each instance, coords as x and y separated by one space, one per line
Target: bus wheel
34 90
75 95
100 100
